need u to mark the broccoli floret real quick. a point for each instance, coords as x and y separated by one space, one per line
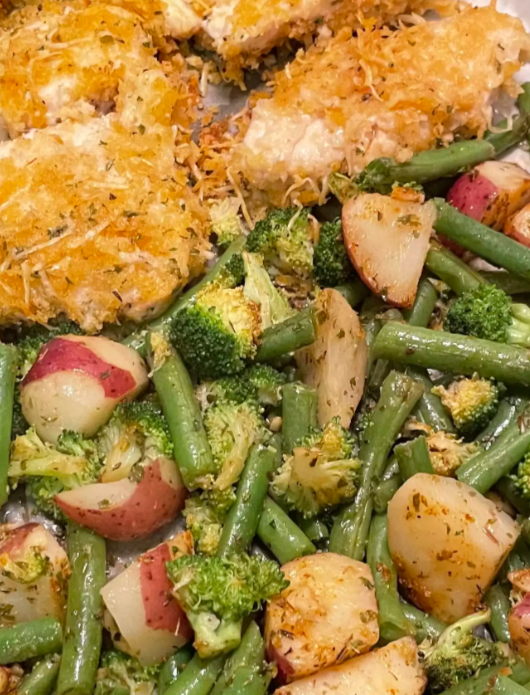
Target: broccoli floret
257 384
267 381
218 593
232 429
49 470
233 274
458 654
342 187
448 453
471 402
25 570
218 332
284 238
205 515
488 312
274 307
320 474
522 477
136 434
118 671
332 265
225 220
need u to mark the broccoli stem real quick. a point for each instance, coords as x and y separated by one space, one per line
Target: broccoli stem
244 516
393 623
425 626
486 468
387 487
399 395
299 413
354 292
454 353
430 409
8 371
198 677
281 535
498 601
162 324
424 304
413 457
31 639
173 667
42 678
290 335
183 414
494 247
452 270
83 628
511 284
243 672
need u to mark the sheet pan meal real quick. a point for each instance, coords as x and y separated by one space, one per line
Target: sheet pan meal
264 371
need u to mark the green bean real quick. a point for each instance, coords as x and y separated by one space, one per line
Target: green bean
498 601
41 680
507 413
449 352
399 395
83 631
199 676
506 487
486 468
173 667
452 270
393 623
493 246
281 535
183 414
315 529
245 672
31 639
244 516
8 370
354 292
525 530
385 490
511 284
413 457
430 409
505 686
299 413
425 626
483 684
518 559
289 335
162 324
424 304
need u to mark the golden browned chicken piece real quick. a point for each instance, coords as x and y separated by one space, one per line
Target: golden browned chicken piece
96 222
348 100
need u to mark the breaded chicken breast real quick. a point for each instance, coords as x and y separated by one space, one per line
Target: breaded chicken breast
70 60
96 222
349 100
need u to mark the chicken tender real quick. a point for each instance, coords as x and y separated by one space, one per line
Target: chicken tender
385 94
96 222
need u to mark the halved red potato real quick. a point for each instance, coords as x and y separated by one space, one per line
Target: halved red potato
520 580
387 241
491 192
33 573
126 510
150 622
519 624
518 226
392 670
76 382
335 364
327 615
448 542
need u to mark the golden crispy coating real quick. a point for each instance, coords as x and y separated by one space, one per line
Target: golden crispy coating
96 222
348 100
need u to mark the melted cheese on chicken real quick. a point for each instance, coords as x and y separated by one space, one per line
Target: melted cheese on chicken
348 100
96 222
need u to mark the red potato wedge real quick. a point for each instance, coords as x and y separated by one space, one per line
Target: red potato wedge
33 573
434 522
126 510
387 241
491 193
335 364
328 614
392 670
519 624
518 226
76 382
150 622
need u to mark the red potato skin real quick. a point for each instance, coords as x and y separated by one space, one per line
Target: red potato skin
153 504
162 612
61 355
519 624
284 666
472 194
16 537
